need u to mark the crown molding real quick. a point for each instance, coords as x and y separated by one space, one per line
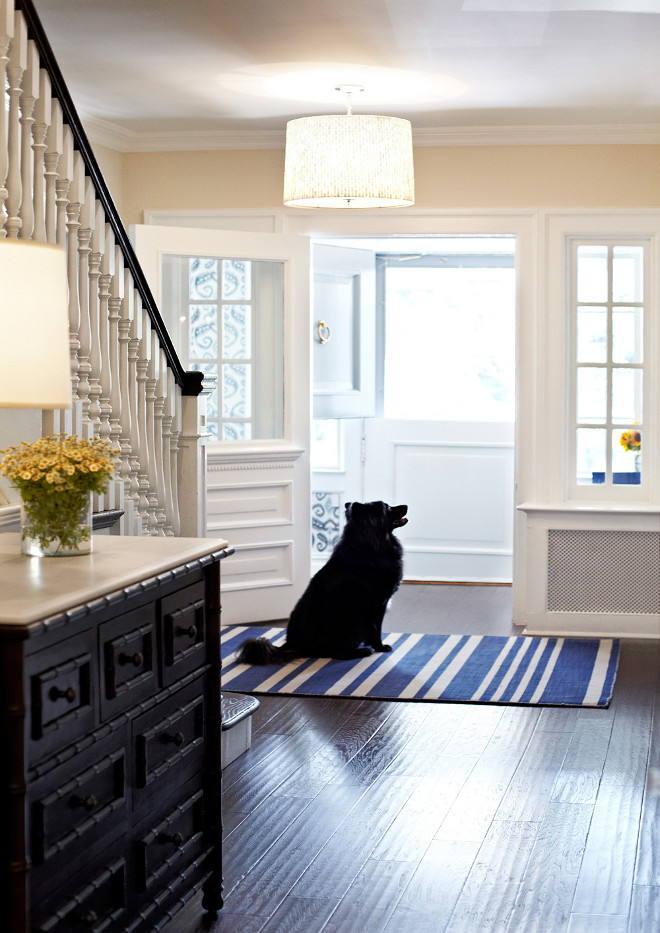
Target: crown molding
105 133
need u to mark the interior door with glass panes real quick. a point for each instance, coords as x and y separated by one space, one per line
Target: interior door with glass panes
236 306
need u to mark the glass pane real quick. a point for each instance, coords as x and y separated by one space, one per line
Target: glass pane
627 273
592 335
212 428
591 459
236 279
247 328
591 394
627 335
626 457
592 279
450 343
236 390
203 331
236 332
203 279
237 431
626 396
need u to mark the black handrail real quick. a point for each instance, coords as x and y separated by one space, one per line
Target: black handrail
190 382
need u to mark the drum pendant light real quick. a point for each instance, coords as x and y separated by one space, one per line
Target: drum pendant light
349 160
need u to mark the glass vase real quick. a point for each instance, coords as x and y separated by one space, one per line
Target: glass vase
54 528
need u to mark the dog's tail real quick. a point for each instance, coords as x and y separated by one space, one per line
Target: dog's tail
262 651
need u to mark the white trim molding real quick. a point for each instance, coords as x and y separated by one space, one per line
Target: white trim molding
105 133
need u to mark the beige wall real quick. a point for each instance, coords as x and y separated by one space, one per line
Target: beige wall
111 165
446 177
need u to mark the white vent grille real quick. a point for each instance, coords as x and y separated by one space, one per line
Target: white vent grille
603 571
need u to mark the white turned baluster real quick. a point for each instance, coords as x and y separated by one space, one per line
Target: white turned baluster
96 363
54 147
17 64
165 415
114 305
85 330
174 396
126 315
6 32
76 194
27 100
42 118
150 389
105 279
157 429
146 509
133 355
62 184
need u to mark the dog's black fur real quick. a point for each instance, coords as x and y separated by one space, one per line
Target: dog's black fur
340 614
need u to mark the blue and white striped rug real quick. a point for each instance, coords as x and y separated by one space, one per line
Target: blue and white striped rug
449 668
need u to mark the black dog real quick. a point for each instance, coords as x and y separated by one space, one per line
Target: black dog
340 614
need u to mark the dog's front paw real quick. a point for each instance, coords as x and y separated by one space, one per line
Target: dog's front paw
384 647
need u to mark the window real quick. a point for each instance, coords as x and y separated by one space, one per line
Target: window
607 298
229 324
450 331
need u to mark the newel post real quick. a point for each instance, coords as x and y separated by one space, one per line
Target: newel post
191 472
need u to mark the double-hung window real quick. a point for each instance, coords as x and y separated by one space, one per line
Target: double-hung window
608 303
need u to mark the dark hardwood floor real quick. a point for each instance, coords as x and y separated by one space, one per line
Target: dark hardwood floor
350 816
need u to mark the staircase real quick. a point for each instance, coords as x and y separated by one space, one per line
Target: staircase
127 381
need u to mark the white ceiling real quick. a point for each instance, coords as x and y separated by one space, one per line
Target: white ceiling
174 73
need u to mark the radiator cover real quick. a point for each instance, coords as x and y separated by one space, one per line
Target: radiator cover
603 571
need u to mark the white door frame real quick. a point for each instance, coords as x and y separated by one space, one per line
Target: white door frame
524 224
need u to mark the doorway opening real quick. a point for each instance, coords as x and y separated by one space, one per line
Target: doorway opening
440 432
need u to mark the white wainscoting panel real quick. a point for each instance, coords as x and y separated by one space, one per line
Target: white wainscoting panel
244 505
259 565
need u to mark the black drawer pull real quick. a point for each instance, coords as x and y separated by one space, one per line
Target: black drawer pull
176 839
88 803
177 738
56 694
136 659
191 631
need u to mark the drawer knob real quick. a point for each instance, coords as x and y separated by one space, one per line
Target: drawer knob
176 839
191 631
56 694
88 803
136 659
177 738
89 918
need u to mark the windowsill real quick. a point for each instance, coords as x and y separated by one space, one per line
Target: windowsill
622 508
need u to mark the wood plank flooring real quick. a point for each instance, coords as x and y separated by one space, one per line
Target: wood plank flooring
363 816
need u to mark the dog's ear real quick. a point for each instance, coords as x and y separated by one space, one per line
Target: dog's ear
354 511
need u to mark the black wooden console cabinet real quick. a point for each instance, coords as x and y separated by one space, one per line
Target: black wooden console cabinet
110 719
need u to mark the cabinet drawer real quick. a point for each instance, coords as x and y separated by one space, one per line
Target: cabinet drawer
61 688
77 809
127 660
98 905
172 842
168 743
183 632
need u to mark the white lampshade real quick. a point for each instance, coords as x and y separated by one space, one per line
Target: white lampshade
349 161
35 371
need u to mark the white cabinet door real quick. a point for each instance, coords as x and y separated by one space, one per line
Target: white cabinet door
344 332
258 491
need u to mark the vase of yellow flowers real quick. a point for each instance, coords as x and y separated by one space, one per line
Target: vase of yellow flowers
56 477
632 440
